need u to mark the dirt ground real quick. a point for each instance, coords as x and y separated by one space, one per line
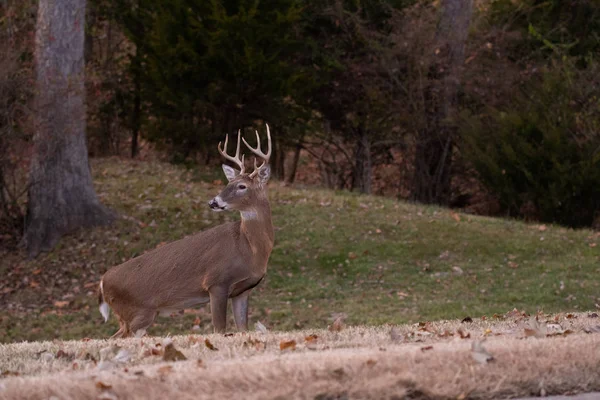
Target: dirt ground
507 357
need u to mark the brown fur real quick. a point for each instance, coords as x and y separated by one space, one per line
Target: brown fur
224 262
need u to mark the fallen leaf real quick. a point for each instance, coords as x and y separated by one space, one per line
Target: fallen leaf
455 216
122 356
62 354
261 328
165 369
287 345
370 362
536 329
352 255
36 272
61 304
103 386
152 352
426 348
593 315
210 345
479 353
311 338
462 334
257 344
542 228
560 333
592 329
467 320
172 354
337 325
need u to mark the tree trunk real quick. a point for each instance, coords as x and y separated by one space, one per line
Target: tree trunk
61 196
294 167
361 179
433 153
136 115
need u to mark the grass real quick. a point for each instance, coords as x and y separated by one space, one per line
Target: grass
506 357
374 259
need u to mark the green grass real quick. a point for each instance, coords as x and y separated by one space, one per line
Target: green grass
375 259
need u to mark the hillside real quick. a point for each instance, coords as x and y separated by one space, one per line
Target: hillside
368 259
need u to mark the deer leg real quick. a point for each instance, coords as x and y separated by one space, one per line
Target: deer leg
239 305
142 321
119 333
218 308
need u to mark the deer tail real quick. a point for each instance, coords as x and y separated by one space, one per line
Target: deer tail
104 308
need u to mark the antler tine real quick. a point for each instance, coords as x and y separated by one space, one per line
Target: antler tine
258 151
237 160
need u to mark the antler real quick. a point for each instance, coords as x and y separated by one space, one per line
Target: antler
258 152
239 161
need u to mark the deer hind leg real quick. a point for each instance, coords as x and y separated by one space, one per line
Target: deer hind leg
122 328
141 322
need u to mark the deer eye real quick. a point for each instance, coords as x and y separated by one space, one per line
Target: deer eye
242 186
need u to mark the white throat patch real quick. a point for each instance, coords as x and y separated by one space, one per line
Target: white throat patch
249 215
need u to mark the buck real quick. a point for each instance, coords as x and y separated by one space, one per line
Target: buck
221 263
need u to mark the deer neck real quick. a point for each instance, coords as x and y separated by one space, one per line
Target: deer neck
257 228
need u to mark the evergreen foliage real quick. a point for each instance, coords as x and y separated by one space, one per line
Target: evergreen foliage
544 150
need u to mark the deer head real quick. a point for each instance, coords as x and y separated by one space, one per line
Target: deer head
244 189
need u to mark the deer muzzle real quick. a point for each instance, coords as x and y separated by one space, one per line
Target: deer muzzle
217 204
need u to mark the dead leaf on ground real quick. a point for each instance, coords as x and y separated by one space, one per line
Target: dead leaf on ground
462 334
103 386
593 315
370 362
210 345
337 325
542 228
62 354
151 352
394 334
257 344
425 348
515 313
592 329
311 338
536 328
172 354
261 328
455 216
165 369
466 320
287 345
561 333
61 304
479 353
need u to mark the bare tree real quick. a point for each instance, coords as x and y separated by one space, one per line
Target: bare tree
433 156
61 195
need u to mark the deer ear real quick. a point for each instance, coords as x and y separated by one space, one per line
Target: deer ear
264 174
230 173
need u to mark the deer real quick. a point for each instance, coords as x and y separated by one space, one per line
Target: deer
212 266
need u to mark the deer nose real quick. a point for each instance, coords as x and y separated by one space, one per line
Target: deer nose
213 204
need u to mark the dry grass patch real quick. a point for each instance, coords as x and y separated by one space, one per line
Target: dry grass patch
554 354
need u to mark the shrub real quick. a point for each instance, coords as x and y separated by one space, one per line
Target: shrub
541 153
